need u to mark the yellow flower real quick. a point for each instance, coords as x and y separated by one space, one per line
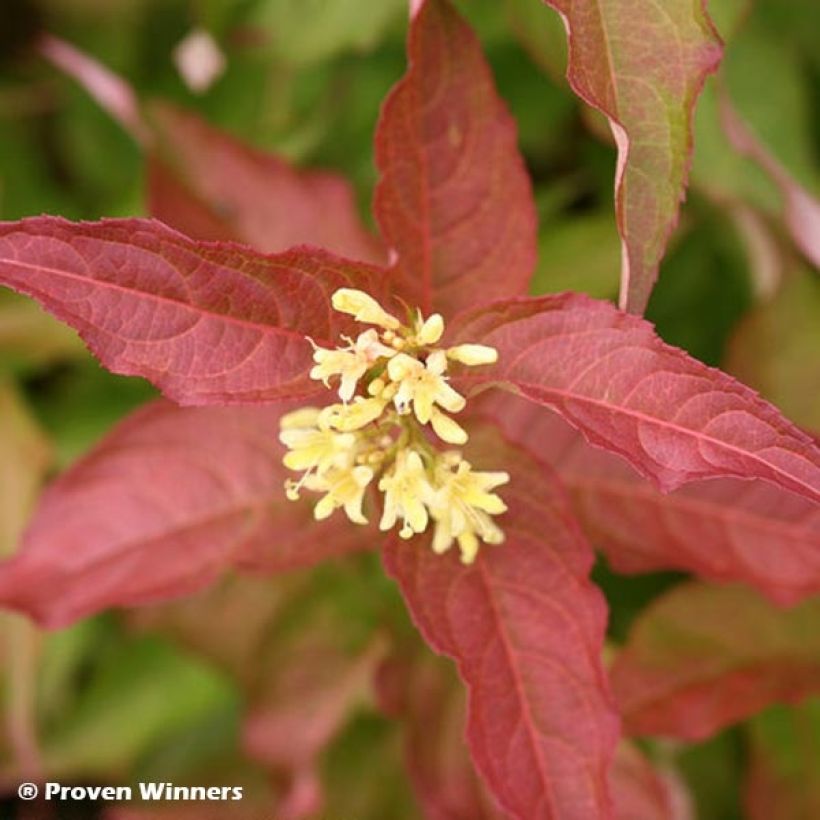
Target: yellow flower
423 385
473 354
363 308
311 448
447 429
349 417
405 489
343 487
430 330
351 362
462 507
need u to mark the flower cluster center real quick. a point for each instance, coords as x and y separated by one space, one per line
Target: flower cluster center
394 389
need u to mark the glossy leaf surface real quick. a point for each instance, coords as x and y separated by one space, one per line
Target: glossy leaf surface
206 322
167 502
642 64
454 199
702 657
208 185
525 627
723 529
611 377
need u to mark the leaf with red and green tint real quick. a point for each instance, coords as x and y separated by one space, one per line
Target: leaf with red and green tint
168 501
703 657
783 781
424 692
210 186
310 692
25 455
642 63
775 348
612 378
454 200
208 323
30 337
526 627
723 529
642 792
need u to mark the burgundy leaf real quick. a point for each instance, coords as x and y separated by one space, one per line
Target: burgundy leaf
702 657
208 323
454 199
168 501
210 186
612 378
643 64
723 529
526 628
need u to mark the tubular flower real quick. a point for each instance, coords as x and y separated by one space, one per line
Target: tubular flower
350 363
462 507
406 488
382 432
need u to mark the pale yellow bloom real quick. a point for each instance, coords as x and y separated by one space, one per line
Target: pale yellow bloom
447 429
462 507
423 385
314 449
350 363
406 488
349 417
363 308
473 354
303 417
343 487
429 331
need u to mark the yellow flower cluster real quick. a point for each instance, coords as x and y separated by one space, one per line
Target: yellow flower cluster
343 448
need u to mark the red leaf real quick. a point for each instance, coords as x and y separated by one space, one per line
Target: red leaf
210 186
611 377
526 628
169 500
454 199
641 792
642 64
702 657
723 529
207 323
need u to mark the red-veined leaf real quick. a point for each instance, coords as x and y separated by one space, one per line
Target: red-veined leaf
723 529
612 378
168 501
424 692
642 792
210 186
642 63
783 781
526 628
454 199
208 323
702 657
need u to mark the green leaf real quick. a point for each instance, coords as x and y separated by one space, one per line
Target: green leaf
309 31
